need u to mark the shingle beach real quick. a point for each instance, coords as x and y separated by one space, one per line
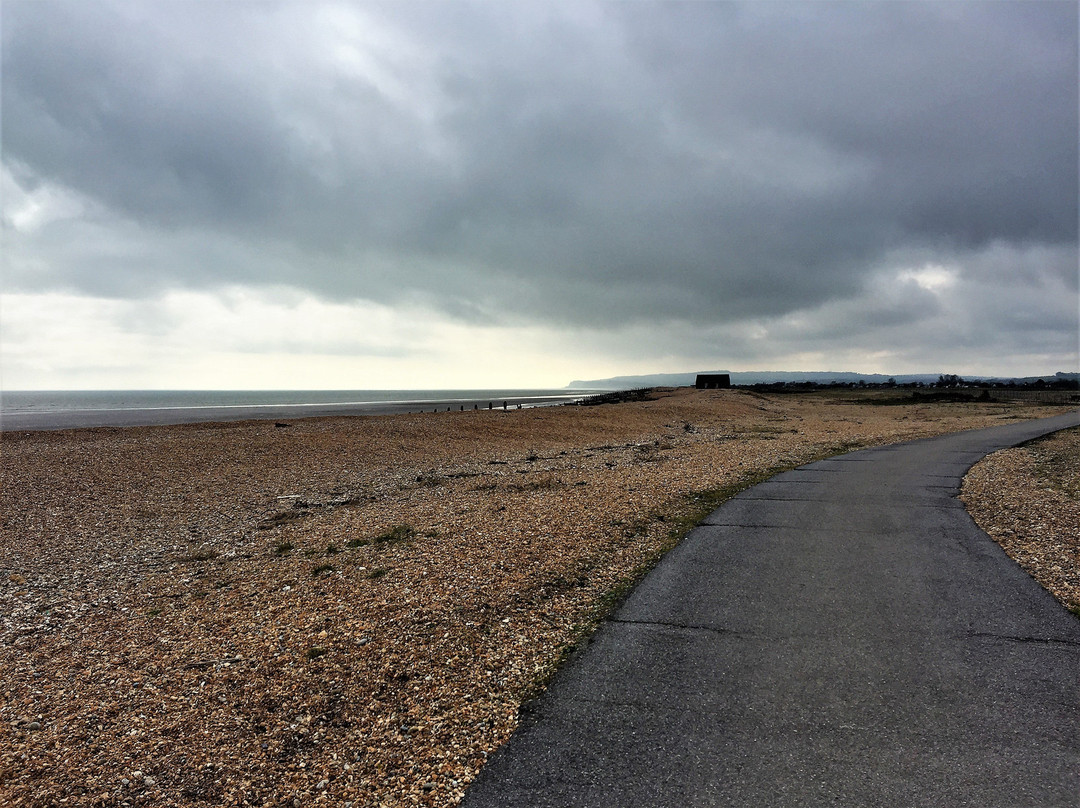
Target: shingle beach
350 611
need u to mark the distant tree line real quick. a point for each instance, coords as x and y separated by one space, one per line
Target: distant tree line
947 381
1061 383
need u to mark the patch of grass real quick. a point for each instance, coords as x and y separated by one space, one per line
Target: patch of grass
283 548
331 549
319 570
354 543
950 397
377 573
648 453
203 554
396 534
153 613
543 482
283 518
846 446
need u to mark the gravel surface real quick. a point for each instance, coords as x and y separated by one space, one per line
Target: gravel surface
346 611
1028 500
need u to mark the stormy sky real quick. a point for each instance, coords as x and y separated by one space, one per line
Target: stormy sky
454 194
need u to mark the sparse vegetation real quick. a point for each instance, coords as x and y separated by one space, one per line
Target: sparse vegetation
283 518
499 597
202 554
398 533
542 482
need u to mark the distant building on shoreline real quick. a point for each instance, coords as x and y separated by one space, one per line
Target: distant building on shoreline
713 381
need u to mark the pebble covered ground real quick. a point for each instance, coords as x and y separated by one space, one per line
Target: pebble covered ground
1028 500
347 611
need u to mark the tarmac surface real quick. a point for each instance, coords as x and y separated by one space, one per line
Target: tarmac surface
843 634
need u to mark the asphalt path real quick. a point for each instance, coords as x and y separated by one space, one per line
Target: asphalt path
843 634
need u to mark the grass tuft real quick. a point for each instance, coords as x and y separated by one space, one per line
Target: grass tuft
204 554
396 534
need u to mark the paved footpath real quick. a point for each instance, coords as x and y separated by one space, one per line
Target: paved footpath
841 635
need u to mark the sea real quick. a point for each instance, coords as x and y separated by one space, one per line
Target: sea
25 410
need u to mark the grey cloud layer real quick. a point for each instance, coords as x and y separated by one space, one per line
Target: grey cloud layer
578 163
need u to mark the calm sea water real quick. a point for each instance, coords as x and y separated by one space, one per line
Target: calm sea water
29 410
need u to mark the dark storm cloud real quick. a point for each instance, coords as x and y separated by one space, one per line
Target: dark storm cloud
575 163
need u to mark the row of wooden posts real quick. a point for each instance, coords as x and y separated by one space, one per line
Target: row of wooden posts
475 407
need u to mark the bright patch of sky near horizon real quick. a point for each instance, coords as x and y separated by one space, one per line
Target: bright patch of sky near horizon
399 195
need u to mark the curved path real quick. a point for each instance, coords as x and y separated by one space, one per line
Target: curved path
840 635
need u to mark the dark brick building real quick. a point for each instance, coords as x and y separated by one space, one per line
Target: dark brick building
713 381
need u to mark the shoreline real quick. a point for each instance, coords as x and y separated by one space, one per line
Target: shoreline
348 610
35 421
